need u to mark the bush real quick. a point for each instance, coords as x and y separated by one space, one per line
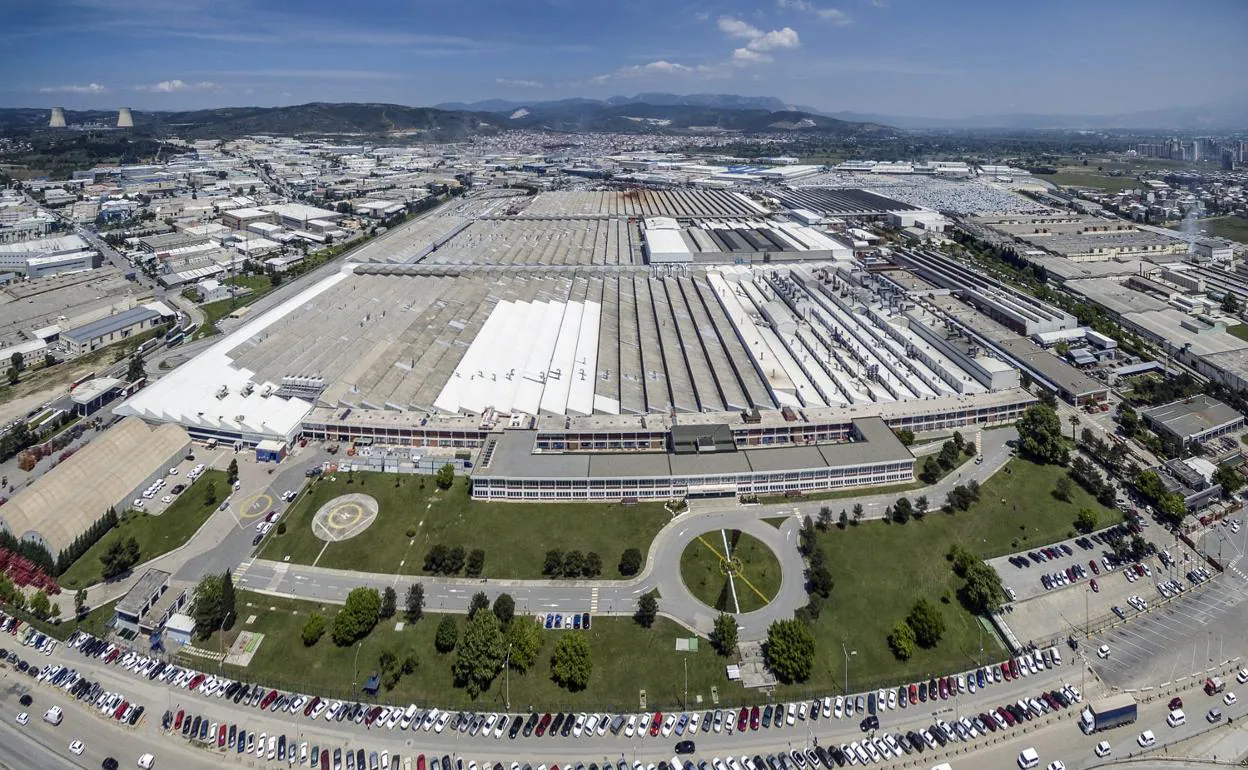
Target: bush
901 641
630 562
447 635
313 629
571 665
281 528
357 617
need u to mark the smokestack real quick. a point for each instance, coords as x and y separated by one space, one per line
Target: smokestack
124 118
58 118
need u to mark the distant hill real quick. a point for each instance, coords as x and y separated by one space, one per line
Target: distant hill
445 123
658 99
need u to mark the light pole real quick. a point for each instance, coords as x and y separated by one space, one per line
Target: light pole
686 700
847 652
355 675
507 679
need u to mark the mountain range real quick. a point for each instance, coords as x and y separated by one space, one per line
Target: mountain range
1232 114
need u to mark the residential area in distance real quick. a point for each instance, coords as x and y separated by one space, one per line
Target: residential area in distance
656 432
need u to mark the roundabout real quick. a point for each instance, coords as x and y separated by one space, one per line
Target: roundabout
344 517
730 571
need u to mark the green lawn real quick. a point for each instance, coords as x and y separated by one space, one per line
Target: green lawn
156 534
94 622
1238 330
215 311
1234 228
257 283
514 536
702 570
881 569
1084 177
627 659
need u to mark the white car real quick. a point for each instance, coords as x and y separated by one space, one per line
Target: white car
1242 676
631 727
1176 718
1103 652
138 502
839 708
1103 749
1057 764
1229 699
167 499
442 719
668 724
23 718
173 471
76 747
1147 739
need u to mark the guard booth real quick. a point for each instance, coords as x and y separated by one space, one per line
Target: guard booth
270 451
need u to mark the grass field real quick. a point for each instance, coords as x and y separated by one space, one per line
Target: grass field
1233 228
1238 330
514 536
627 659
891 489
702 570
94 622
1090 177
881 569
156 534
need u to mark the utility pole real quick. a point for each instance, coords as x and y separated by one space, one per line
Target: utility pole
507 679
355 676
686 700
845 650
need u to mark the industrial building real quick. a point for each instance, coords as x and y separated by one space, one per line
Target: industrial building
668 241
48 256
843 202
114 328
106 473
1193 420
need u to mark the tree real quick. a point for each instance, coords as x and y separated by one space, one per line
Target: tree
445 476
1074 423
554 563
135 371
724 635
858 512
437 559
901 641
231 473
478 602
505 609
455 559
40 607
983 592
228 615
1230 305
414 605
825 518
593 565
790 650
902 510
842 521
357 617
630 562
80 602
16 363
905 436
447 635
1085 520
525 639
210 493
819 580
119 557
573 563
207 607
949 455
313 629
480 653
1040 435
571 665
389 600
1063 488
807 540
931 471
647 610
927 622
476 563
920 507
1228 478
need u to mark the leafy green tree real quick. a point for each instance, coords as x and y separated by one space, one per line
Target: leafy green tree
858 513
480 653
118 557
313 629
983 591
630 562
1173 506
902 510
228 614
927 622
824 523
1085 520
357 617
1230 305
1063 489
905 436
1228 478
1040 435
40 607
553 566
414 605
962 559
920 507
135 370
571 665
819 580
526 640
231 473
592 567
949 456
445 476
724 635
80 601
573 563
389 603
207 607
210 493
790 651
447 634
478 602
476 563
505 609
647 610
901 641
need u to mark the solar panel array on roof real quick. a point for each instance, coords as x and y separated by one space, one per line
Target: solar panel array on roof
842 201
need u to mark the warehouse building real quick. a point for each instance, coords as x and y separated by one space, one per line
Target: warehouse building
106 473
112 329
1193 420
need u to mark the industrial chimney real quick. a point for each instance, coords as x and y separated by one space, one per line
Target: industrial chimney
58 118
124 118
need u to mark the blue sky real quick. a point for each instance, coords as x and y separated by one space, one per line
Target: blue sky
939 58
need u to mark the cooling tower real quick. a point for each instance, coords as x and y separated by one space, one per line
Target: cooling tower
124 118
58 118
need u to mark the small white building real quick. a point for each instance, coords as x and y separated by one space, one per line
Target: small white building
211 290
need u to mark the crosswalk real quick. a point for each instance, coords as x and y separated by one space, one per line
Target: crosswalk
593 601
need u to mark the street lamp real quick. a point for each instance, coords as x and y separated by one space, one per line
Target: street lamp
355 676
507 679
221 641
847 652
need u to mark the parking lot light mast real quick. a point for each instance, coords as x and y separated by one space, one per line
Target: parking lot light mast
507 679
847 652
355 676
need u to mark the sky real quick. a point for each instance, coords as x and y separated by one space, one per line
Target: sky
932 58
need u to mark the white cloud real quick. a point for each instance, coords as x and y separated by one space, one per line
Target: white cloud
513 83
174 86
737 28
746 56
89 88
830 15
777 38
660 67
754 51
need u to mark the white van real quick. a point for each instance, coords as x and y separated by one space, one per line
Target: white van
1028 758
1057 655
147 761
408 716
943 766
53 715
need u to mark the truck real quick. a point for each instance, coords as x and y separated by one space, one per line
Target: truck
1108 713
1214 685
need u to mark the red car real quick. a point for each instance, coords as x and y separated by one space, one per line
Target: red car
1095 569
743 719
325 759
656 723
914 694
420 761
177 721
754 718
268 700
1013 668
121 709
307 710
1006 715
196 681
1096 587
1176 703
541 727
221 737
